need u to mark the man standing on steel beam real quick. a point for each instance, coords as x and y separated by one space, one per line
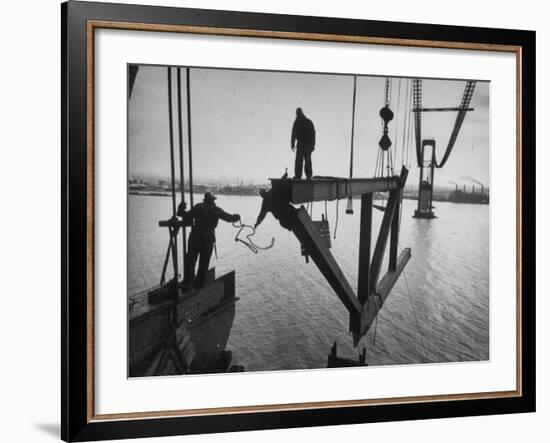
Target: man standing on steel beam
302 140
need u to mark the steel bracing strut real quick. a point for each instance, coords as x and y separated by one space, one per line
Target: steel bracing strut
372 291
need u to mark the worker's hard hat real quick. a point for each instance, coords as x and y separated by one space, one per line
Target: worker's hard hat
209 196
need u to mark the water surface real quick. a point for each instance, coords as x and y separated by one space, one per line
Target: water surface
288 316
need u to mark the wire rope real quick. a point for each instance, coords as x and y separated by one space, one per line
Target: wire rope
250 243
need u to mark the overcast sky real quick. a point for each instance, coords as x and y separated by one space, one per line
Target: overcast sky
241 123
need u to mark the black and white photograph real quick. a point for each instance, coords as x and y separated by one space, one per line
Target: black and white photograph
303 220
275 221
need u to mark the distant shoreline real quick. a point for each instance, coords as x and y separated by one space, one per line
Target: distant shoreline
169 193
152 193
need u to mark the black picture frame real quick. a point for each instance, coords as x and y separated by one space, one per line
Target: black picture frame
77 419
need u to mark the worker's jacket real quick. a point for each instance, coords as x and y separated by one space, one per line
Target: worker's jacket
303 131
281 210
204 217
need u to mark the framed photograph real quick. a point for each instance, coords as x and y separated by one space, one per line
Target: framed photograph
277 221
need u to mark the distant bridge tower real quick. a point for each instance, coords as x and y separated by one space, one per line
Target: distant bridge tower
427 164
424 208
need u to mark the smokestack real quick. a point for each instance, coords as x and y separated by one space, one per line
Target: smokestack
473 189
456 187
482 188
464 188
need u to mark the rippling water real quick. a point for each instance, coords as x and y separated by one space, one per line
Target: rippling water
288 316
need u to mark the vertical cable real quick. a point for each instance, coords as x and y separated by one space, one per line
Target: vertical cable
405 123
173 232
352 125
411 131
171 129
349 209
394 155
189 145
182 177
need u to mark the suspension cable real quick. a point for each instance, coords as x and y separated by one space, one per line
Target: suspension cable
464 104
462 111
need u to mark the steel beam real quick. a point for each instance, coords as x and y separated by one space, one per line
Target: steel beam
387 220
323 189
364 307
380 248
317 249
363 281
394 234
376 300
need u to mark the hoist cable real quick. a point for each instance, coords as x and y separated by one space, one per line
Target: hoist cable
390 163
352 125
410 137
189 139
182 176
410 129
388 92
376 166
405 124
173 232
337 216
397 124
171 131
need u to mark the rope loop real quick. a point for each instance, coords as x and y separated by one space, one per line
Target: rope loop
250 243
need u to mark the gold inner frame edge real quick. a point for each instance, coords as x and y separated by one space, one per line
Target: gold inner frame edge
92 25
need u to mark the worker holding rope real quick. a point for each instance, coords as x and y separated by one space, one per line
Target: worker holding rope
281 209
203 219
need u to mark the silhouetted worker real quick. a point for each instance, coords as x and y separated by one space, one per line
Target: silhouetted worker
303 132
203 218
282 210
